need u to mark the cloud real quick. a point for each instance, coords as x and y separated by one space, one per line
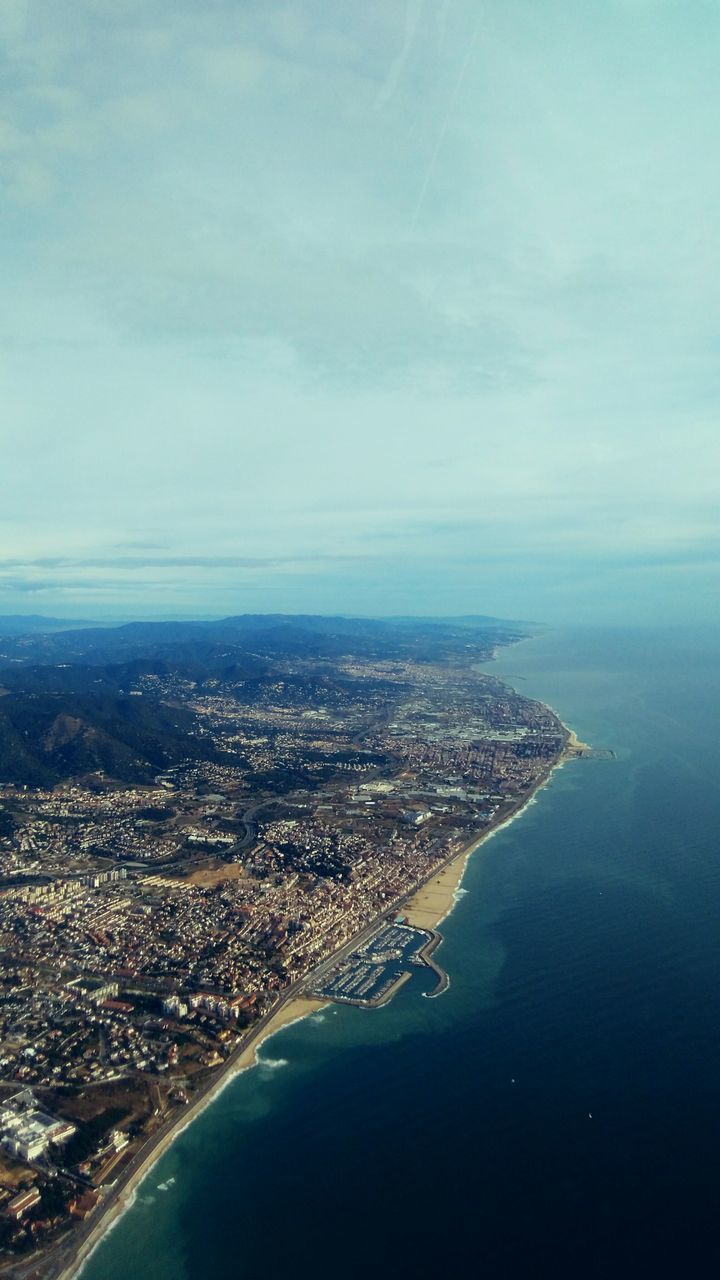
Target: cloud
132 564
229 356
413 11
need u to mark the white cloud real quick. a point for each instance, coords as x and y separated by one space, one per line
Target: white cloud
229 332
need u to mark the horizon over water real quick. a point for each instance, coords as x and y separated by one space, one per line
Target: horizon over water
556 1111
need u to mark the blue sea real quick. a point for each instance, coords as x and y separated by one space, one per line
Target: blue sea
557 1111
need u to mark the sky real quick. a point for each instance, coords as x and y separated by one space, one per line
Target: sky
371 306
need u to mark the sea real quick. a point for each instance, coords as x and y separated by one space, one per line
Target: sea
557 1111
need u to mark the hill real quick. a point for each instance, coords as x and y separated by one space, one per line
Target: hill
45 738
118 699
253 636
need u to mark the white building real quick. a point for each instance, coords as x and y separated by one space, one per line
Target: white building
26 1132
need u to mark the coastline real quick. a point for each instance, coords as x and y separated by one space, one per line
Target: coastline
433 901
291 1010
574 747
426 906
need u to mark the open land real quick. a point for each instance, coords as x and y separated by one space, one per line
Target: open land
259 822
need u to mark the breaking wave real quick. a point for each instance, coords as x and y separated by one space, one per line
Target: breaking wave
274 1064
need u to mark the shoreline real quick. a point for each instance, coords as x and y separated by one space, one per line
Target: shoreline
425 906
434 901
292 1010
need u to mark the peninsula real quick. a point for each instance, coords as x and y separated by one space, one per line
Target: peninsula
206 831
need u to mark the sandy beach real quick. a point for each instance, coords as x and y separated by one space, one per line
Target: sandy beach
436 899
293 1011
574 747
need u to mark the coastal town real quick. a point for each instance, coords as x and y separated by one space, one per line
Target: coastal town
151 929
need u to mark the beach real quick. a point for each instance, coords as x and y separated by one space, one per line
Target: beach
433 902
292 1011
574 747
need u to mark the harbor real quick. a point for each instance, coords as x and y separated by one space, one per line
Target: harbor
373 973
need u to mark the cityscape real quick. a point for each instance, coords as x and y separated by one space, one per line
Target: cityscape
152 924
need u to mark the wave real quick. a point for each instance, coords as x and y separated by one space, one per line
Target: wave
436 995
273 1064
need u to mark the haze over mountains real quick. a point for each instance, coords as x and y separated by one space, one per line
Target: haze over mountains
110 699
59 641
20 624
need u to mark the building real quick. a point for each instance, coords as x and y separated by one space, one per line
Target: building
94 989
21 1203
415 817
174 1007
26 1132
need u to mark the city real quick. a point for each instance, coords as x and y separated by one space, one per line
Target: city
149 928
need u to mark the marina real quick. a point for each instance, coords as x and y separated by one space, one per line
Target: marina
371 975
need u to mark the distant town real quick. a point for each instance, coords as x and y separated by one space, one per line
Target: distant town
155 913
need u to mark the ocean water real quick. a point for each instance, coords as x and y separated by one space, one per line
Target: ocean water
557 1111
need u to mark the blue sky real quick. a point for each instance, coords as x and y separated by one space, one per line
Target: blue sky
379 307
